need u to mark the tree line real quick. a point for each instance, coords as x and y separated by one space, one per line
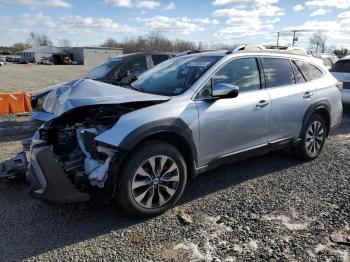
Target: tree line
156 42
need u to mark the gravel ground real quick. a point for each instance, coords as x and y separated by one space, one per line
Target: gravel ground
18 77
269 208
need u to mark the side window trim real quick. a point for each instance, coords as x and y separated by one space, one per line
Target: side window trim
301 72
260 68
149 61
262 73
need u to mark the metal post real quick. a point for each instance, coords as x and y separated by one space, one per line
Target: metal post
278 38
293 37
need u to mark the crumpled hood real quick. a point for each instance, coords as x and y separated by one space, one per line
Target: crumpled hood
87 92
50 88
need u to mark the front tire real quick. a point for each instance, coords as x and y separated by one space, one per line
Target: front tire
152 179
313 138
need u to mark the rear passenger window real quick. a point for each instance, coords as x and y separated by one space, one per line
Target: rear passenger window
299 78
157 59
278 72
309 71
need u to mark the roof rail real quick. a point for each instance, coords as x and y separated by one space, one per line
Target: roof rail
245 48
188 52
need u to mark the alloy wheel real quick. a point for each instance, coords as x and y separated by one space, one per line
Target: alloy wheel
155 181
315 137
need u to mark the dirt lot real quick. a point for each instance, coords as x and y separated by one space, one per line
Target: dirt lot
17 77
269 208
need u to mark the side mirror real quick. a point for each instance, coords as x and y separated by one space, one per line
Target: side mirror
222 90
122 74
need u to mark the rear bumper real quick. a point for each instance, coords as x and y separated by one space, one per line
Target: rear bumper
48 180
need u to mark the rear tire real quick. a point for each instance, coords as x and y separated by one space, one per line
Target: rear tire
313 138
152 179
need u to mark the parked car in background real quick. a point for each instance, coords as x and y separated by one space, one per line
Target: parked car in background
2 61
140 145
328 59
116 71
341 71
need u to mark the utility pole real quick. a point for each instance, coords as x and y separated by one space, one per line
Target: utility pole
294 31
278 38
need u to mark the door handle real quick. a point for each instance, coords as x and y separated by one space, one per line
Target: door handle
307 95
262 104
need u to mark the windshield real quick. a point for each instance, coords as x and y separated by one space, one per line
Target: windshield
175 76
342 66
103 69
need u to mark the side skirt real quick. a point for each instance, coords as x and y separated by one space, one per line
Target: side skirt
247 153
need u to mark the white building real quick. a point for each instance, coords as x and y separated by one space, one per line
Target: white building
82 55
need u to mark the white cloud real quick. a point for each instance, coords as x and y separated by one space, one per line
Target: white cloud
37 19
245 2
57 3
319 12
36 3
75 22
170 6
341 4
298 7
182 25
316 25
148 4
121 3
344 15
145 4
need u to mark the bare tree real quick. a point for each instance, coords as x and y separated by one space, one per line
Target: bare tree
36 39
318 42
20 46
153 42
64 42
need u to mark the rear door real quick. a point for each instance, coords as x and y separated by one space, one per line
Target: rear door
291 95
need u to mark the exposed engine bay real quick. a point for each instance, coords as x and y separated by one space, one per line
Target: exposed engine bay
72 138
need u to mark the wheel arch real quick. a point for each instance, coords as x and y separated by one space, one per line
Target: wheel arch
321 107
172 131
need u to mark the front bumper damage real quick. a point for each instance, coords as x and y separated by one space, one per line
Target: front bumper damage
48 180
67 181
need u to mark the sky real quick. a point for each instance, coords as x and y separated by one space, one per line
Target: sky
91 22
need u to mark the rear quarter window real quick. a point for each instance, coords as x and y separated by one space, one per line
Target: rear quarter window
309 71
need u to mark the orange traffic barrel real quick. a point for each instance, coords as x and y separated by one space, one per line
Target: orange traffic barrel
16 103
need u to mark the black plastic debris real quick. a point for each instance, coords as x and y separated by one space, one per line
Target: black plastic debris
14 167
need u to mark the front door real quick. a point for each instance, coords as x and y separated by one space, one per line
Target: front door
231 125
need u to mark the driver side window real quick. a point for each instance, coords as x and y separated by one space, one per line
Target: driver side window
243 72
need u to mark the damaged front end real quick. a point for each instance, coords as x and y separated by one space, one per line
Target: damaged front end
67 164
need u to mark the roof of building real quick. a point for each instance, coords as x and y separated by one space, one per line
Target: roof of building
97 47
43 49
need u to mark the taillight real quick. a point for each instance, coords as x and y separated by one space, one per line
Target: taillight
339 85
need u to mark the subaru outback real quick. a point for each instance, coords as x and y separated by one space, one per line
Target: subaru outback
141 145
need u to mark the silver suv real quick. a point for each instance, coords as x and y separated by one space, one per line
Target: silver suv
140 145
